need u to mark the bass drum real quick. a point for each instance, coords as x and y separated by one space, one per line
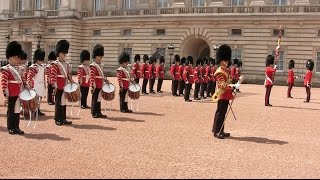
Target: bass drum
108 92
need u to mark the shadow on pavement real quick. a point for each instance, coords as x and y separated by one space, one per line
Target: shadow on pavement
91 127
148 113
53 137
124 119
258 140
288 107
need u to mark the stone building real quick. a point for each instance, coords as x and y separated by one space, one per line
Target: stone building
193 27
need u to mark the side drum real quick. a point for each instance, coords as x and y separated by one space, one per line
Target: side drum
108 92
72 92
134 91
28 100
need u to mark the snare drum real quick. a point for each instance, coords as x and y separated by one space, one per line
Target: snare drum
72 92
108 92
134 91
29 100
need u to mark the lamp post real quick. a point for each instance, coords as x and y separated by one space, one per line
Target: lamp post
39 38
171 49
8 38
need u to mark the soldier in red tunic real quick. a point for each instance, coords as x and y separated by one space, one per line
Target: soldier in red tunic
12 83
290 78
234 75
136 69
175 75
153 73
36 76
270 70
145 73
210 70
205 77
97 80
182 84
160 75
124 80
223 92
238 74
60 75
51 58
198 79
188 78
84 77
308 79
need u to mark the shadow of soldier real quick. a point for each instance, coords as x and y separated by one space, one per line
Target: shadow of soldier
258 140
92 127
53 137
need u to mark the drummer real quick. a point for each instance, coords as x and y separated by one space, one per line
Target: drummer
51 58
11 83
97 79
36 76
83 77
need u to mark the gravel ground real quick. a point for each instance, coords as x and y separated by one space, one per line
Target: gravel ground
169 138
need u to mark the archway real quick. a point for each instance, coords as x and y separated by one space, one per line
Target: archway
196 47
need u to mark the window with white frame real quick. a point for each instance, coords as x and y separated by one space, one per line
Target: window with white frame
237 2
37 4
96 32
19 5
97 5
162 3
127 32
236 53
51 31
161 50
198 3
129 51
318 62
160 32
236 32
128 4
279 2
57 4
280 62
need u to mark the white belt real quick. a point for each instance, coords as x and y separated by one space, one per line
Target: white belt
15 82
146 71
125 79
205 75
161 71
61 76
177 73
140 71
99 77
191 75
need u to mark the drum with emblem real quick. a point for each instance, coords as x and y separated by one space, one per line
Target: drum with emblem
108 92
134 91
29 100
72 92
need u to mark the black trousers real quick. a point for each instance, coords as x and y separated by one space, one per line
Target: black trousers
196 90
137 80
159 85
211 88
290 85
13 119
182 86
267 96
60 112
95 105
144 85
174 87
151 84
84 95
204 87
220 116
50 98
308 91
123 104
187 92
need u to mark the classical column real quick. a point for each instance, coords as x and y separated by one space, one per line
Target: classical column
26 5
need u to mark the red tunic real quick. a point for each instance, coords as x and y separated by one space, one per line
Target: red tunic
160 71
123 78
308 78
204 75
32 71
181 69
136 71
198 75
145 71
188 74
153 71
269 75
58 76
234 73
211 71
290 76
84 75
96 75
48 73
10 81
175 72
223 78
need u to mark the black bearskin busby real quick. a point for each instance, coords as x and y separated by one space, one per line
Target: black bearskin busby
205 60
269 60
23 55
62 47
212 61
145 58
161 59
183 60
124 57
235 61
309 64
189 60
98 50
176 58
84 56
153 60
52 56
137 58
13 49
199 61
291 64
223 54
239 64
39 55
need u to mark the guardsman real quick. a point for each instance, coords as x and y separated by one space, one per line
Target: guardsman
153 73
51 58
182 84
197 79
205 77
160 75
234 75
270 70
238 74
175 75
210 70
84 77
136 69
308 79
145 73
188 78
290 78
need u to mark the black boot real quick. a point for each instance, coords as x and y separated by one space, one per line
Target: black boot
100 115
40 113
17 122
126 108
64 116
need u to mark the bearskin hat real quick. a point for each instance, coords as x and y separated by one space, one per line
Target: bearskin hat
153 60
145 58
84 56
23 55
62 47
239 64
124 57
212 61
309 64
161 59
189 60
269 60
52 56
98 50
183 60
235 61
291 64
223 53
39 55
205 60
199 61
13 49
137 58
176 58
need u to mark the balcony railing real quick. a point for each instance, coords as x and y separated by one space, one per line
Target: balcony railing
52 13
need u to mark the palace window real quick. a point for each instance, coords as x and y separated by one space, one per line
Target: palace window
19 5
280 63
276 32
127 32
236 53
236 32
26 31
237 2
162 3
96 32
161 32
51 31
97 5
129 51
161 50
279 2
198 3
51 48
318 62
57 4
37 4
128 4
